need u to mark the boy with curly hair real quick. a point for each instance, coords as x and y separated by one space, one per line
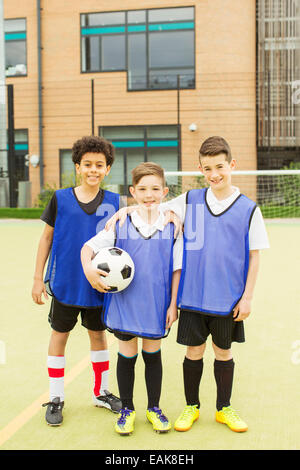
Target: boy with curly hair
72 217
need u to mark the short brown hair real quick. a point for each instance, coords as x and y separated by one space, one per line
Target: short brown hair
93 144
145 169
213 146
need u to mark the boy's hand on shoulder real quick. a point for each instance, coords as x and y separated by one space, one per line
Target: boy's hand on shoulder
38 290
120 215
242 310
93 276
170 216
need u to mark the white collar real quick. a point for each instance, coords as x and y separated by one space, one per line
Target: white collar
213 201
138 222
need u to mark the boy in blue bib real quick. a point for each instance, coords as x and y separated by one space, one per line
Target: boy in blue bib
223 233
147 307
73 216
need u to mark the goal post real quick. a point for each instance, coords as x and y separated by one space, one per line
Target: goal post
276 192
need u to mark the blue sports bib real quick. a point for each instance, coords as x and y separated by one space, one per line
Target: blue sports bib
215 263
65 278
141 309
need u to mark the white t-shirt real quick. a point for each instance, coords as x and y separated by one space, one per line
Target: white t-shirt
107 238
258 238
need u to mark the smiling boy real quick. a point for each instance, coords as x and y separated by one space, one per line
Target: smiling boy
148 306
217 282
72 217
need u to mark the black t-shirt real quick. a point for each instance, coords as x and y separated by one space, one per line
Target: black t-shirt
49 213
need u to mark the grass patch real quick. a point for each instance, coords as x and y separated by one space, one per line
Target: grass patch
270 212
20 213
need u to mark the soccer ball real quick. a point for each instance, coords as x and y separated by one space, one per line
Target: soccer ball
119 266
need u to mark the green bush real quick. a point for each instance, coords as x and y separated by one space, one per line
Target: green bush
20 213
45 196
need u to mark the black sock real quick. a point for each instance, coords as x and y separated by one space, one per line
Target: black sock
125 377
192 373
153 377
223 371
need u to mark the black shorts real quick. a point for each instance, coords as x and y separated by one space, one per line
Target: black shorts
128 337
63 318
194 328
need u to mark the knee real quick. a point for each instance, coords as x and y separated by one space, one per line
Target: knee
59 337
222 354
194 353
97 339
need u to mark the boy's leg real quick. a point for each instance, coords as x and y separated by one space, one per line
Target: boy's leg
100 363
56 373
62 320
91 319
125 374
127 357
223 371
56 364
192 373
192 332
153 376
100 360
151 353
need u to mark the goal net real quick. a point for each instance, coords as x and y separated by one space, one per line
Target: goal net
276 192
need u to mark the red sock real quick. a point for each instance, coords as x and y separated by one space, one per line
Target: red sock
100 363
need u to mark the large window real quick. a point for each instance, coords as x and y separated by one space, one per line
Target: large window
155 47
15 47
136 144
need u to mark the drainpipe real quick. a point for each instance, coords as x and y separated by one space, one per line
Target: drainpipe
40 87
3 123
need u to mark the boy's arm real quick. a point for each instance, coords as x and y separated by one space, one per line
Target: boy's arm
172 312
92 274
176 205
243 309
90 248
44 247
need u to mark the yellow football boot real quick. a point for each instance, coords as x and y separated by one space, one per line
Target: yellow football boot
230 417
125 423
185 421
158 420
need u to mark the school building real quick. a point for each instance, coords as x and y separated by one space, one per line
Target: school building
156 78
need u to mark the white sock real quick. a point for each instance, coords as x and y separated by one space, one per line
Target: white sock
56 372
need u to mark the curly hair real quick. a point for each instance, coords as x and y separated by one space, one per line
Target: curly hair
93 144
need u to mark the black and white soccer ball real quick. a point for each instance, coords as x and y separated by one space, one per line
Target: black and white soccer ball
119 266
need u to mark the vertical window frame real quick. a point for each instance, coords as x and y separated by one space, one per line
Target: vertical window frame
20 40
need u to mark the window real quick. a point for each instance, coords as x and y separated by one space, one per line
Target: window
15 47
155 47
135 144
103 47
67 172
21 151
